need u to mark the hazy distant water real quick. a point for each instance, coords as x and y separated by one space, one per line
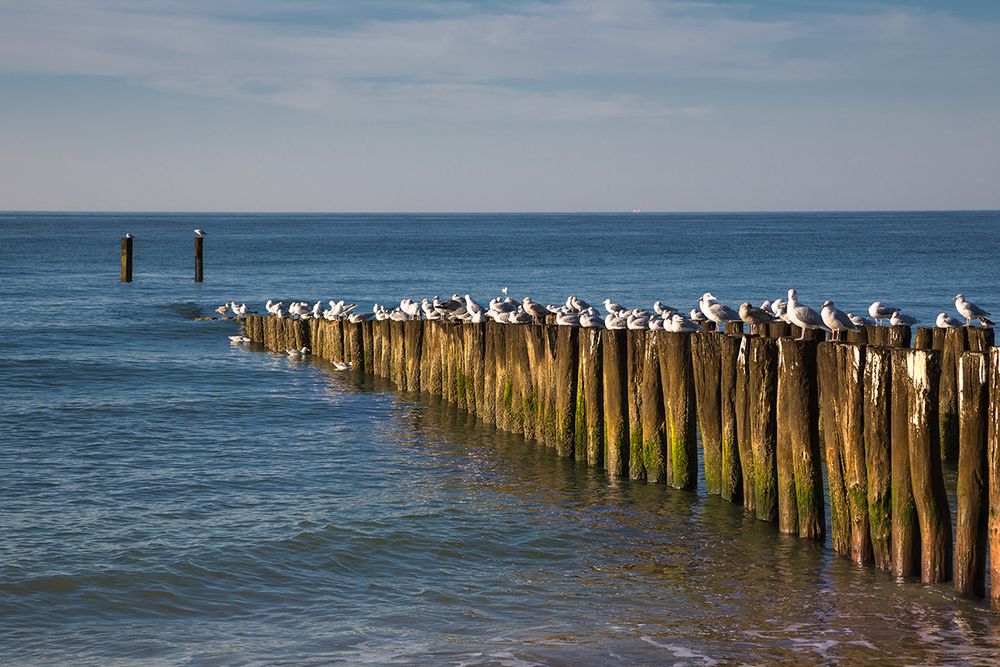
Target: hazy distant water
167 498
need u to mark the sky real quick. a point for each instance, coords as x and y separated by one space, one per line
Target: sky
501 105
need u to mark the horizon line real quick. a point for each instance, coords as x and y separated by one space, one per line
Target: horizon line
490 212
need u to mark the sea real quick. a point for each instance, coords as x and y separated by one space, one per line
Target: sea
168 498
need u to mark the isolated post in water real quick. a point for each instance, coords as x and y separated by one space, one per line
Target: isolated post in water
127 258
199 248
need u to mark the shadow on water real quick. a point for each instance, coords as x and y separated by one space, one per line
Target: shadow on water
690 576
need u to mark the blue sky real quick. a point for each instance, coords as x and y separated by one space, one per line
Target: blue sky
542 105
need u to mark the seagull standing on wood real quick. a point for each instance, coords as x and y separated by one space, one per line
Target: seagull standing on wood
946 321
968 310
803 316
836 319
199 231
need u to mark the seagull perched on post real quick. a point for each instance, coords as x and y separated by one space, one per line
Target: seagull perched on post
716 311
880 311
803 317
946 321
898 319
968 310
754 316
129 236
199 231
837 320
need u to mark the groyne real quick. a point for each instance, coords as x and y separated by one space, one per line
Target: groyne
872 418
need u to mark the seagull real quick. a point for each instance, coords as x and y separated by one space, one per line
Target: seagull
754 316
696 316
677 324
239 339
612 308
615 322
568 320
899 318
803 316
534 308
342 365
716 311
860 320
129 236
837 320
663 310
222 310
297 354
880 311
591 319
985 322
199 231
968 310
945 321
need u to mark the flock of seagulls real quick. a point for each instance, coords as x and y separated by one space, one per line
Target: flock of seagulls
578 313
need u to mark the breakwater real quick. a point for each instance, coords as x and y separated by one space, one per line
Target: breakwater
775 417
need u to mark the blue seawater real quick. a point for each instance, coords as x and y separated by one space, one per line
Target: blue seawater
167 498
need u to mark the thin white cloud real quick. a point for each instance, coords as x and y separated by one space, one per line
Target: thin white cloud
567 60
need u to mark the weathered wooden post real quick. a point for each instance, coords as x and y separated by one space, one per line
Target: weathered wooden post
742 376
897 335
800 474
677 383
566 386
199 248
126 273
827 366
706 356
923 368
413 333
635 348
652 414
877 435
734 328
502 382
954 346
589 430
367 346
905 527
731 471
970 528
993 466
851 361
923 339
980 339
614 368
762 390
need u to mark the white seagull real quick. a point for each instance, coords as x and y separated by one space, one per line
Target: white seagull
836 320
897 318
754 316
199 231
946 321
968 310
716 311
801 316
879 311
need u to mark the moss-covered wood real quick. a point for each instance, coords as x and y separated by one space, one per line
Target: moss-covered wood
762 391
614 362
730 469
829 396
706 354
565 389
742 409
993 475
680 420
905 527
954 346
923 370
972 493
635 349
877 421
588 434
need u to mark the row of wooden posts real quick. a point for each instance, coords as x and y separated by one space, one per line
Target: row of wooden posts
126 257
775 417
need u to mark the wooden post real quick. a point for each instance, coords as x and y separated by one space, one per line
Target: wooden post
897 336
731 471
954 346
566 385
126 273
762 390
706 353
199 248
677 382
877 431
734 328
367 346
635 349
905 527
923 371
502 382
800 474
413 331
923 339
970 528
488 407
850 361
742 376
829 397
614 364
993 465
980 339
655 456
589 430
